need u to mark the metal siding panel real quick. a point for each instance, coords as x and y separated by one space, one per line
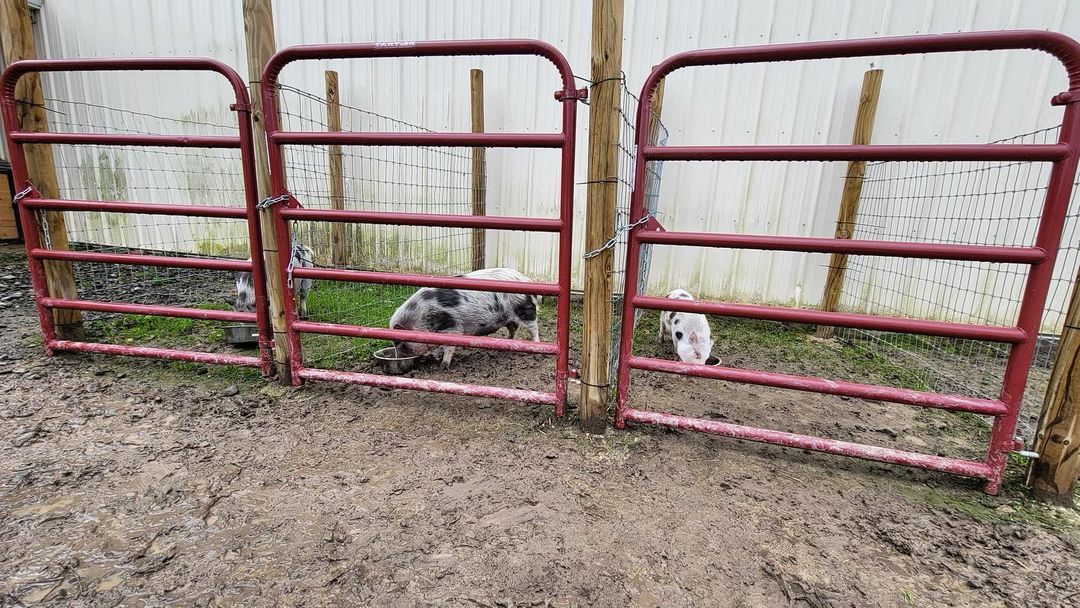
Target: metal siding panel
809 102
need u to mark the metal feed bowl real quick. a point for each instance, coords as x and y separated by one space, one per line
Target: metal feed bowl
393 364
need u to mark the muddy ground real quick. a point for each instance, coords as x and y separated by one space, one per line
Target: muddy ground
134 483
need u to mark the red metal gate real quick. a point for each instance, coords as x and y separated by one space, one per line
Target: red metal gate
32 202
1040 257
293 212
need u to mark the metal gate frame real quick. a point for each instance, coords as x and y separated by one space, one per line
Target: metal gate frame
293 211
31 201
1040 257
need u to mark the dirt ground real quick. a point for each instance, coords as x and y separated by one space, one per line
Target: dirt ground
133 483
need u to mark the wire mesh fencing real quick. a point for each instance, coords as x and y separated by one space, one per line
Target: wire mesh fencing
418 179
658 135
982 203
193 176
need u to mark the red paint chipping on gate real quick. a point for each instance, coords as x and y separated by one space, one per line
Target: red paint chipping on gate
563 225
37 254
1040 257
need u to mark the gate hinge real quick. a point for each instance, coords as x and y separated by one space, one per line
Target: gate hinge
1065 98
240 107
566 94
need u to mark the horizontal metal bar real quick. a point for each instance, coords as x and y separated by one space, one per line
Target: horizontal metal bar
1061 46
966 331
153 353
447 220
955 466
148 309
421 48
956 403
113 64
900 249
423 280
464 140
838 152
426 337
134 207
140 259
127 139
434 386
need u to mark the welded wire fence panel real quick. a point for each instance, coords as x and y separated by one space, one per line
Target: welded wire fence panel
190 176
985 203
627 108
374 178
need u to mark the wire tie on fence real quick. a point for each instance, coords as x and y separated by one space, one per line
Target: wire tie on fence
614 240
272 200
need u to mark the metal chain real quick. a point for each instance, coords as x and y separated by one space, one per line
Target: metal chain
44 221
289 268
23 194
273 200
614 240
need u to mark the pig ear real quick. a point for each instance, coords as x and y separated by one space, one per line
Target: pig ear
693 337
398 326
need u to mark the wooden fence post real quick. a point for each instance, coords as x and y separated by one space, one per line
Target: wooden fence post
849 201
1053 475
338 244
479 179
18 44
259 36
605 98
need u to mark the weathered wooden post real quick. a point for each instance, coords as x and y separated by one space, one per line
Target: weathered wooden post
259 36
479 179
607 34
849 201
338 243
1053 475
18 44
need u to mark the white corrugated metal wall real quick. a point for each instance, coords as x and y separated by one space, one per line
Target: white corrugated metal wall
946 98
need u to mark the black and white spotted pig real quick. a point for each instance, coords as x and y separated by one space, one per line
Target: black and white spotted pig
302 256
457 311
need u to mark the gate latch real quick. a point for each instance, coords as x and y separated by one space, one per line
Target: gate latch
270 201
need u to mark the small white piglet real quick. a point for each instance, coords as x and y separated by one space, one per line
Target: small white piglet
690 333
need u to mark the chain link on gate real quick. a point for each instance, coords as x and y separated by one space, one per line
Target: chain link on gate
614 240
42 215
270 201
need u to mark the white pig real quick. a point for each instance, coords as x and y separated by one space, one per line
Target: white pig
690 333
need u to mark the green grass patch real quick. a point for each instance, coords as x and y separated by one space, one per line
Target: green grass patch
168 331
350 304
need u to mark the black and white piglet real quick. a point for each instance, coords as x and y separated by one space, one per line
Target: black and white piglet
690 332
302 256
458 311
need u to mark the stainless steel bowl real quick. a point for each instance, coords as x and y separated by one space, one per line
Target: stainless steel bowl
393 364
242 334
